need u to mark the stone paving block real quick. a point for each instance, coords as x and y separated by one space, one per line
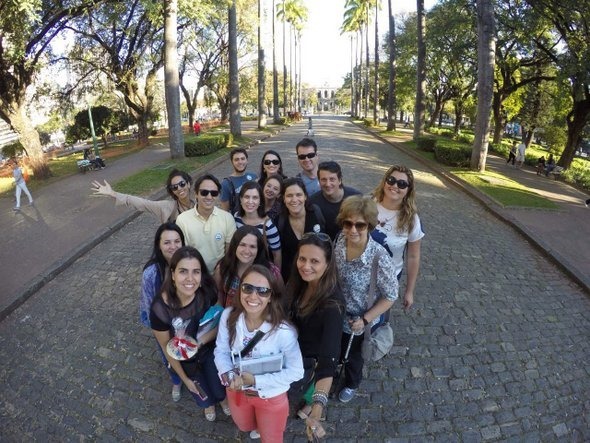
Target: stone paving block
491 433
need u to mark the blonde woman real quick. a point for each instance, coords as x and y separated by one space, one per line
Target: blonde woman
399 228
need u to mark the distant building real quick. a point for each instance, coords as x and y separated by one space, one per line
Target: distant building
326 98
7 135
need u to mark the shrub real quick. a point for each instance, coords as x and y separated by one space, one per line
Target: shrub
427 144
203 145
154 132
283 121
368 122
452 154
465 138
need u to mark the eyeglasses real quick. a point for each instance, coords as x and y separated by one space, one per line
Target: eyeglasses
359 226
401 184
272 162
181 184
321 235
304 156
206 192
248 289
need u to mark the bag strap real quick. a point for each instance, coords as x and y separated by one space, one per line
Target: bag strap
257 337
371 296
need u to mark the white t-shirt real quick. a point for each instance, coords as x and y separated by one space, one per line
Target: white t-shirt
396 241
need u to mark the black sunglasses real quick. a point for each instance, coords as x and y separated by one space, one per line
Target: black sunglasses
206 192
359 226
304 156
272 162
248 289
401 184
180 184
321 235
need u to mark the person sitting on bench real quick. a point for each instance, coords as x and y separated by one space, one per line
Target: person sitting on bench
550 165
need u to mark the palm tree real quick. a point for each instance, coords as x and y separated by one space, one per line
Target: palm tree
235 124
275 75
486 54
175 137
376 77
391 111
420 105
261 79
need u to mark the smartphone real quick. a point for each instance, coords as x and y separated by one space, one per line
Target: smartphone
200 391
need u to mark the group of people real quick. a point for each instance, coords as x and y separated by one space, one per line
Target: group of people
257 289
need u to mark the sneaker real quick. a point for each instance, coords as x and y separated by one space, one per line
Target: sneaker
254 435
346 395
32 203
16 208
176 392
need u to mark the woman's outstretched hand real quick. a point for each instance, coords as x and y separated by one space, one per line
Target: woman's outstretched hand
104 189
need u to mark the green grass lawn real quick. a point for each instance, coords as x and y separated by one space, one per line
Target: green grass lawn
505 191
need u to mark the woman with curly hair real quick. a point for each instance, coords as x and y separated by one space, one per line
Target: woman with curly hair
399 228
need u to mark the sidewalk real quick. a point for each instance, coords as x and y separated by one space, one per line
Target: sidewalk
563 234
66 221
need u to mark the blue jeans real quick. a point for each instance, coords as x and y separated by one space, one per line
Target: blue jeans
173 375
209 380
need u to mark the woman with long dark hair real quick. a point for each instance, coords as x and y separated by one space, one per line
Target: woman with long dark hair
258 376
270 164
245 249
317 310
177 319
167 241
272 190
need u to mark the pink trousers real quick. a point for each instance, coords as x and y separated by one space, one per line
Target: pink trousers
267 415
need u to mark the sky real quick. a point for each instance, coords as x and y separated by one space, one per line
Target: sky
326 53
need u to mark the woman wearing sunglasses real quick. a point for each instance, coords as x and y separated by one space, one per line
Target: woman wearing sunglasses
178 186
257 356
297 218
317 310
399 228
245 249
270 164
360 259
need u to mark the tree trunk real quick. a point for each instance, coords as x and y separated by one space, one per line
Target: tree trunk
234 81
420 106
576 122
438 106
486 52
376 76
275 74
367 71
352 77
29 138
391 99
499 120
175 135
261 82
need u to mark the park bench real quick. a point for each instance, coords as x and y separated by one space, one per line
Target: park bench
556 173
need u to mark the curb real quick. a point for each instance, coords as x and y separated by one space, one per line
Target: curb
59 266
495 209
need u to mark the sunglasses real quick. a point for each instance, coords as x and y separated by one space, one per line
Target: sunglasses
321 235
272 162
206 192
248 289
359 226
401 184
304 156
180 184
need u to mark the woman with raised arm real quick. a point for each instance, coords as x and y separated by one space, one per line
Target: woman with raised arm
178 186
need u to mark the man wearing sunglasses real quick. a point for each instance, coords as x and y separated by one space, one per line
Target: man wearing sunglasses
230 187
206 227
307 155
331 195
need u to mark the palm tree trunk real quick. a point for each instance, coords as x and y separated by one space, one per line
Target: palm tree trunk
261 82
175 135
391 111
234 84
275 75
376 76
420 105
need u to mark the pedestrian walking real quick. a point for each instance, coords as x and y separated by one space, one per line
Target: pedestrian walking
512 154
20 183
520 155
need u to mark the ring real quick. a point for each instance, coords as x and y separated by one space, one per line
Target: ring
313 428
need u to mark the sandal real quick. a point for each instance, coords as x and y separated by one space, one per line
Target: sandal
225 408
210 414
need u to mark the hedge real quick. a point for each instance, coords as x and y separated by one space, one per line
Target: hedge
205 144
452 154
426 143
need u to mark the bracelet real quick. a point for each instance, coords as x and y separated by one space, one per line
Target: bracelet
365 322
320 397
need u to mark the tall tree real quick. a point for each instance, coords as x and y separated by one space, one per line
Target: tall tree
261 69
175 136
486 52
275 75
376 63
572 56
235 123
27 28
420 105
391 46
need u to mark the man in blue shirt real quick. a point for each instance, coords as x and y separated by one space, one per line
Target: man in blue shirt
230 186
307 155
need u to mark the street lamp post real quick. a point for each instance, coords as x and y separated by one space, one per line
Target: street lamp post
96 153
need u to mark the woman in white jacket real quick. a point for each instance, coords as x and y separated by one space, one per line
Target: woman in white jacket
258 380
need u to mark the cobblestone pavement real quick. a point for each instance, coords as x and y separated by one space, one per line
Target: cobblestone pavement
496 348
